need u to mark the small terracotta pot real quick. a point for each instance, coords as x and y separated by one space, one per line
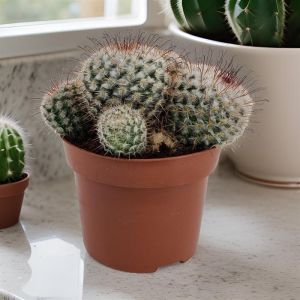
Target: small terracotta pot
11 199
140 214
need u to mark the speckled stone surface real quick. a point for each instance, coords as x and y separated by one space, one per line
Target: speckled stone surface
22 84
249 249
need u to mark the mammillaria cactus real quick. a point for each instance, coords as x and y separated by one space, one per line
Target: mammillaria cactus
213 108
129 72
66 111
122 131
12 152
141 101
256 22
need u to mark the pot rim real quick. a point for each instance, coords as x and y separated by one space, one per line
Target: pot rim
179 32
26 178
140 160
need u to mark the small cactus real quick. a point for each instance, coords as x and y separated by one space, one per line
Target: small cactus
212 109
122 131
66 111
12 151
257 22
293 23
129 72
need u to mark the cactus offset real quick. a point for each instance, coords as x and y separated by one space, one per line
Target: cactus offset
122 131
257 22
12 152
129 72
293 23
66 111
213 108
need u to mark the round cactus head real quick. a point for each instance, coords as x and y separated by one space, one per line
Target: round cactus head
130 72
122 131
12 152
212 109
66 111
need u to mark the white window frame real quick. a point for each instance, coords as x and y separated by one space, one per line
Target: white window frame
32 38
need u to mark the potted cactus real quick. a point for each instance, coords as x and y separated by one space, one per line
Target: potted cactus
142 129
13 180
266 37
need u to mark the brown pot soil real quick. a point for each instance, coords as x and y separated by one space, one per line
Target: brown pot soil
11 199
140 214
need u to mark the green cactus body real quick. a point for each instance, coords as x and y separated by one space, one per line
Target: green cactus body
12 153
134 74
122 131
257 22
206 18
67 112
176 6
211 110
293 23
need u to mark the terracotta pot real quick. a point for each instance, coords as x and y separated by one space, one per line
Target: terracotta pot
140 214
11 199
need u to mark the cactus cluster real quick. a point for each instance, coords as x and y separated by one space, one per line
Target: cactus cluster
12 151
142 101
271 23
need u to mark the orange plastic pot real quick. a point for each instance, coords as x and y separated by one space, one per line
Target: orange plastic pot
11 199
140 214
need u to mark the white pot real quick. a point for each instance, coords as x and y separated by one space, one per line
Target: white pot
270 153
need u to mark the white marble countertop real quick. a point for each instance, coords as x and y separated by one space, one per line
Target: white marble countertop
249 248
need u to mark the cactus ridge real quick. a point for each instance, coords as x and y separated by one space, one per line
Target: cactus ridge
256 22
293 23
66 111
122 131
12 152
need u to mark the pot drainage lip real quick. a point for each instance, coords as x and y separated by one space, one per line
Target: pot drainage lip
269 183
8 296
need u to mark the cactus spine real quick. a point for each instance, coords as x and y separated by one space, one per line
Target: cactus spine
256 22
293 23
122 131
12 152
66 111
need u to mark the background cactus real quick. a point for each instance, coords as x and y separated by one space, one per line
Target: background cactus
122 131
256 22
129 72
202 17
212 109
66 111
12 152
293 23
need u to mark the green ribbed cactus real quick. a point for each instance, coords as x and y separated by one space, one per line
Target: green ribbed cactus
122 131
66 111
293 23
257 22
12 151
129 73
212 109
202 17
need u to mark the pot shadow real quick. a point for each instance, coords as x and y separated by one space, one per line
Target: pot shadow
213 273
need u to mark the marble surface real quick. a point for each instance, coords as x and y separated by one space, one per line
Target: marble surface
249 249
